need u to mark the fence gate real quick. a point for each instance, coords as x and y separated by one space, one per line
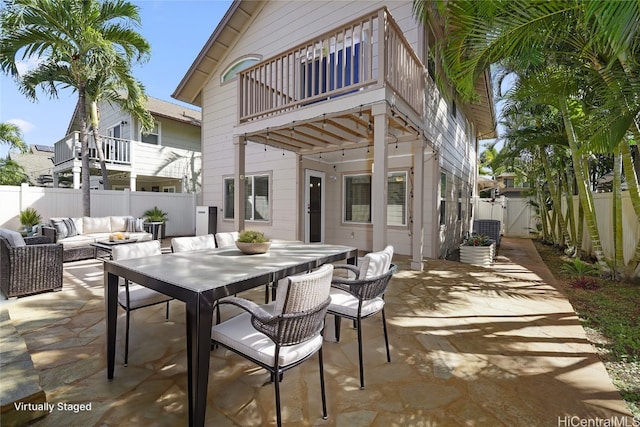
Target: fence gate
518 218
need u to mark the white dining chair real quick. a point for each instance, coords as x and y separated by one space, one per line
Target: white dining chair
132 296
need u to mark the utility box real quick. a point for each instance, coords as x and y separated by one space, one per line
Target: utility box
206 220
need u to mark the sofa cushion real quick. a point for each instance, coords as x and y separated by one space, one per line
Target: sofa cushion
118 223
92 225
76 241
13 237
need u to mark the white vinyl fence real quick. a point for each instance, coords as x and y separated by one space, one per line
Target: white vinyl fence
64 202
603 203
517 217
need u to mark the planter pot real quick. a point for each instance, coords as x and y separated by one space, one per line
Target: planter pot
478 255
253 248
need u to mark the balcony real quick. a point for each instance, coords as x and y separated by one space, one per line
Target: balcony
368 53
116 151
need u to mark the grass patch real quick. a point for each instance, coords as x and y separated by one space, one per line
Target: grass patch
610 313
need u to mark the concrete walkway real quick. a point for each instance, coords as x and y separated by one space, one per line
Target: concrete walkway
470 347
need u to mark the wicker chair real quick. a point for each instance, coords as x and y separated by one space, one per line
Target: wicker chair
362 297
29 265
283 334
132 296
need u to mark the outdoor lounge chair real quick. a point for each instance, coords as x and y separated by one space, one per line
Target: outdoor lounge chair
132 296
29 265
281 339
362 297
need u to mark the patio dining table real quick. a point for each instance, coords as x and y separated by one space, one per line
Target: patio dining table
199 278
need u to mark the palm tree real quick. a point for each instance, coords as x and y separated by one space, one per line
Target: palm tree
559 39
12 173
11 135
75 42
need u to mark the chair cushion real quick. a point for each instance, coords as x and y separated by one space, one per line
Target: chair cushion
239 334
226 239
13 237
136 250
344 303
376 263
139 296
182 244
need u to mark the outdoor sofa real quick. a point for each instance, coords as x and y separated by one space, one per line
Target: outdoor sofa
77 234
28 265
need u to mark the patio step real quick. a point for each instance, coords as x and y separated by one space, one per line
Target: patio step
22 399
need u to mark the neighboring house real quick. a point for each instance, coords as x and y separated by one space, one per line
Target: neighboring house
37 164
168 159
511 185
329 113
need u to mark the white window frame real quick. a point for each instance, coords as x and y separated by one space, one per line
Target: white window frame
231 72
251 198
172 189
158 134
405 218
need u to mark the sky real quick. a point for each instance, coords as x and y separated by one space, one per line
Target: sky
176 30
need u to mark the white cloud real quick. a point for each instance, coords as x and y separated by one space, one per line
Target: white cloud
24 125
27 65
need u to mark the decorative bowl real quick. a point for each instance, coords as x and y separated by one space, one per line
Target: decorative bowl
253 248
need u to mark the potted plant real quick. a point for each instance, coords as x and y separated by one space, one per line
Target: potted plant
253 242
155 215
156 218
28 218
478 249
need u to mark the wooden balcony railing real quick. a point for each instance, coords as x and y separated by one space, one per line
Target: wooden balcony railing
116 150
359 55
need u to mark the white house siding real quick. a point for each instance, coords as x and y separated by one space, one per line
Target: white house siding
282 25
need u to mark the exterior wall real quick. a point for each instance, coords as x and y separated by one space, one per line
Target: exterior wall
267 36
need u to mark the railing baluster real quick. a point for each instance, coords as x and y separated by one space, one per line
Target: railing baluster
326 67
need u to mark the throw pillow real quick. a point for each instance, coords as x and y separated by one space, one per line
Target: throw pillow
61 228
140 224
71 227
131 224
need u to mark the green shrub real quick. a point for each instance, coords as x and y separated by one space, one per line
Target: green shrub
156 215
30 217
252 236
579 268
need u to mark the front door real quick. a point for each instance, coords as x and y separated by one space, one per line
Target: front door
314 206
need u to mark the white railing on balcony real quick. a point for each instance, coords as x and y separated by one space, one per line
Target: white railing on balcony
338 62
116 150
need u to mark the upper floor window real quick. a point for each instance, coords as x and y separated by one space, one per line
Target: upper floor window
256 190
242 64
357 198
153 137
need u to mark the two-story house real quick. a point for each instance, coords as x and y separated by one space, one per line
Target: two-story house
167 159
329 114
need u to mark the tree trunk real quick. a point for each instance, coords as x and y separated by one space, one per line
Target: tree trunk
555 196
84 153
95 123
584 192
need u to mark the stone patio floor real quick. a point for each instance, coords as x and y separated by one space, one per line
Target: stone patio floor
470 347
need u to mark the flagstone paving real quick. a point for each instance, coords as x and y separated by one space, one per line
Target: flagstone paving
470 347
